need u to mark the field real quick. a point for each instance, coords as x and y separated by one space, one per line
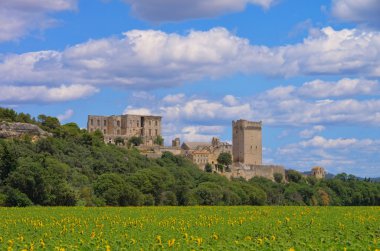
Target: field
190 228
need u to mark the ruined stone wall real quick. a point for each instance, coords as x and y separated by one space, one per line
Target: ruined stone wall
249 171
126 126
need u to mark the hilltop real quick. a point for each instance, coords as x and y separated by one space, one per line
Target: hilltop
69 166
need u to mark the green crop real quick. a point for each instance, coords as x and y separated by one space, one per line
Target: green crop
190 228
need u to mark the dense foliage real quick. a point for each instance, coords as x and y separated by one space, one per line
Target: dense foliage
75 167
190 228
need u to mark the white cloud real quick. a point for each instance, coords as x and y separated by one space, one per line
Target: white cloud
204 110
18 17
200 133
308 133
153 59
363 11
344 87
68 114
173 10
137 111
174 98
36 94
230 100
350 155
289 105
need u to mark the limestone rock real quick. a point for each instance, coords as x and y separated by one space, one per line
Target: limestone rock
16 130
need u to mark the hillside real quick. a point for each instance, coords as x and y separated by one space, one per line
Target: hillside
74 167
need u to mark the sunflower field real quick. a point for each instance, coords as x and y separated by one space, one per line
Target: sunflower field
190 228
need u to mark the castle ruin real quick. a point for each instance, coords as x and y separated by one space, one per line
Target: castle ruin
126 126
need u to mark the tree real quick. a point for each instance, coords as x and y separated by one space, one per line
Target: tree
48 123
8 161
135 141
119 141
224 160
208 168
278 177
293 176
159 140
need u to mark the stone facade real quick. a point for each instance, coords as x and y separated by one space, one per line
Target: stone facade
126 126
194 150
247 142
199 157
318 172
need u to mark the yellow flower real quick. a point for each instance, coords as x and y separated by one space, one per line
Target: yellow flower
42 243
108 248
292 249
171 242
273 238
215 236
158 239
199 241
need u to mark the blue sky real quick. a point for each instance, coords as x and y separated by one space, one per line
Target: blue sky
310 70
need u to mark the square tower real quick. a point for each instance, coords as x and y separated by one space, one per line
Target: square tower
247 142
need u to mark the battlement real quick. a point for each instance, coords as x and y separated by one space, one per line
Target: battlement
241 123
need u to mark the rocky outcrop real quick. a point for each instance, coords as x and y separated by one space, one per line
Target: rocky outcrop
16 130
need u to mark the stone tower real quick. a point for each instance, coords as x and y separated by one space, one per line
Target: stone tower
318 172
247 142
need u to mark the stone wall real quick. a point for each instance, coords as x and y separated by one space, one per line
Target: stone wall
249 171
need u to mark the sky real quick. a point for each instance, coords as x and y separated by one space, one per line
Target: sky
309 70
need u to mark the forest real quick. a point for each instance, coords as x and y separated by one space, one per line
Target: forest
76 168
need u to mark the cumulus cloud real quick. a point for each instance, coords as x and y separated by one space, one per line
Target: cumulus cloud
312 104
137 111
308 133
363 11
68 114
200 133
173 10
37 94
18 17
350 155
152 59
344 87
174 98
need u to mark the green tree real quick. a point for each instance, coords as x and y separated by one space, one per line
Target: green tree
119 141
208 168
224 161
8 160
278 177
159 140
135 141
293 176
48 123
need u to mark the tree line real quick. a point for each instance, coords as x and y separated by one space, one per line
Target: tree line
75 167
